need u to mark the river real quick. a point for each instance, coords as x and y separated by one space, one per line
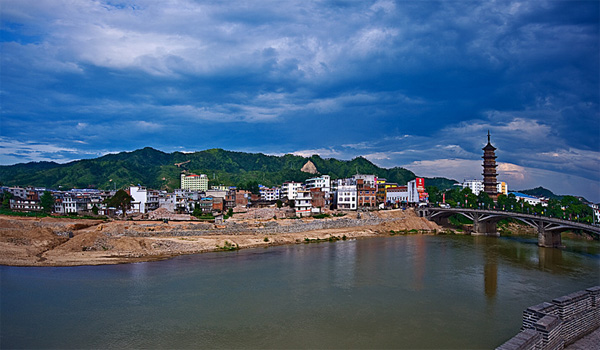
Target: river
412 291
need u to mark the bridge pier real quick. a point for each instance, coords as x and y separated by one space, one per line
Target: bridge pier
442 221
485 228
548 238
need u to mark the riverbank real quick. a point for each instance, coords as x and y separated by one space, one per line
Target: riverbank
71 242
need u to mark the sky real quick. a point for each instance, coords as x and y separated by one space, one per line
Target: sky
415 84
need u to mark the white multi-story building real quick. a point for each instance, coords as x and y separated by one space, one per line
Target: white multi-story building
140 198
194 182
18 192
476 186
270 194
502 188
323 182
303 203
346 197
290 189
416 191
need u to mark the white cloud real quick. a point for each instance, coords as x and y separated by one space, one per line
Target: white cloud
457 169
322 152
14 151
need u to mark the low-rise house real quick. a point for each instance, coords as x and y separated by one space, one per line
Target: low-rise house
303 203
25 204
382 186
242 197
397 195
366 193
269 194
522 197
319 199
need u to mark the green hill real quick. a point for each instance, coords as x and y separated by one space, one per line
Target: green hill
156 169
541 192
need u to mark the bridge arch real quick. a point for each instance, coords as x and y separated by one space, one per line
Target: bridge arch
485 222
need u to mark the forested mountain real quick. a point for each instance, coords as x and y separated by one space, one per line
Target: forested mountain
156 169
541 192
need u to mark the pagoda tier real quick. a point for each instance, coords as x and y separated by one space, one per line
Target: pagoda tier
489 170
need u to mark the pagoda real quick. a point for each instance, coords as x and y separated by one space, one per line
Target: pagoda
489 170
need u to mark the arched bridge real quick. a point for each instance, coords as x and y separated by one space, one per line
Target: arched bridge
484 222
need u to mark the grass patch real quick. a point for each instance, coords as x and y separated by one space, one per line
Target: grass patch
329 239
321 216
36 214
228 246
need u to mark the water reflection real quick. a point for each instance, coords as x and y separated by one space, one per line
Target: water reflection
489 245
344 265
490 273
420 263
551 259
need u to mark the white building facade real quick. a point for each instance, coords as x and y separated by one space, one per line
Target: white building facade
194 182
303 203
346 197
270 194
322 182
290 189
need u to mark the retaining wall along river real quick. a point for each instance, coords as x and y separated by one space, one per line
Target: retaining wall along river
559 323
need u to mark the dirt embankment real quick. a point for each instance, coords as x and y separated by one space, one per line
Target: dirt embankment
66 242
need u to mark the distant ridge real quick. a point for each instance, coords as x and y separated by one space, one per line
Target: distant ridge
159 170
541 192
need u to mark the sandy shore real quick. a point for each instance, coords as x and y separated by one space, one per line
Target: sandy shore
67 242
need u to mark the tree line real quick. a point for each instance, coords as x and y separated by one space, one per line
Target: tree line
566 207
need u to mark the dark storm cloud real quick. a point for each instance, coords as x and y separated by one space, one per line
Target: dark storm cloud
405 83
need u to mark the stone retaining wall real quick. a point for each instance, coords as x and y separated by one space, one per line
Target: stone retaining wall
233 228
554 325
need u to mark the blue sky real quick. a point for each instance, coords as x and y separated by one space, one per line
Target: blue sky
415 84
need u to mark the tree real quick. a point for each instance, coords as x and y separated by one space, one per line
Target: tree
435 195
95 209
502 200
485 200
5 202
279 203
47 202
121 200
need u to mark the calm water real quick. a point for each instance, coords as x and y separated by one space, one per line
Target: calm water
394 292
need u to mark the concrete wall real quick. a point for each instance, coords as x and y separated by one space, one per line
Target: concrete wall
556 324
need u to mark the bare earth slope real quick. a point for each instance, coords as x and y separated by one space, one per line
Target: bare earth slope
66 242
